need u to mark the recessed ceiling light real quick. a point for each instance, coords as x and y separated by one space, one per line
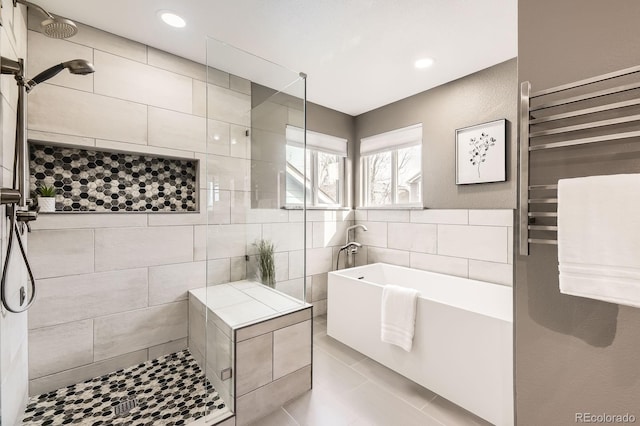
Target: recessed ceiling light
172 19
423 63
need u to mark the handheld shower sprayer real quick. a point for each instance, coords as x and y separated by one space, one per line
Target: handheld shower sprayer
17 197
75 66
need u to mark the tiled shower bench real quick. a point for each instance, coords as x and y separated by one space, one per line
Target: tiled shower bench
270 335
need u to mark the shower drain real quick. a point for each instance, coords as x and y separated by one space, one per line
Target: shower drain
124 407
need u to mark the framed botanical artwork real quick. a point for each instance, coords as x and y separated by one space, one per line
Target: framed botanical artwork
480 153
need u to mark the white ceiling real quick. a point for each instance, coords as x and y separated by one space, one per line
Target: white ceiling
358 54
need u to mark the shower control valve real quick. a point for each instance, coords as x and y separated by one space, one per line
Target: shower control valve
9 196
26 216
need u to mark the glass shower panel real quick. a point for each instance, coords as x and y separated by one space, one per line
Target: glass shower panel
280 184
253 246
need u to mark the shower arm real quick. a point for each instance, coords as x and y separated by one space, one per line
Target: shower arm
35 6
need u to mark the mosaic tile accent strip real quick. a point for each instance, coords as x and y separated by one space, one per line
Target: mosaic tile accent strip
169 391
92 180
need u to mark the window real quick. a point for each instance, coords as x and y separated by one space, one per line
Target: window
324 175
392 168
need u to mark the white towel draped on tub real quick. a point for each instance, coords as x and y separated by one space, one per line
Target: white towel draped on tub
599 237
398 315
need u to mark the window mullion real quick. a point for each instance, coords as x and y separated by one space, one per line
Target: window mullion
394 176
314 177
365 181
342 186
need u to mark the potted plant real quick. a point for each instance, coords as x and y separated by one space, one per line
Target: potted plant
47 198
266 263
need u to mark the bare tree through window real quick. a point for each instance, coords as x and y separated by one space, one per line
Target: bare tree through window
329 175
380 178
408 176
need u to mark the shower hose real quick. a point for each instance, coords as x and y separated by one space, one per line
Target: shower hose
14 231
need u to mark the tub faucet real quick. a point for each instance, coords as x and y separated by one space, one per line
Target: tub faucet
351 246
349 229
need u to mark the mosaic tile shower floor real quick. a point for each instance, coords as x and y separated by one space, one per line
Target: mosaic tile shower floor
169 390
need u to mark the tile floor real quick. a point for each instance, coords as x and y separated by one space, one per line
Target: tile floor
348 389
169 390
351 389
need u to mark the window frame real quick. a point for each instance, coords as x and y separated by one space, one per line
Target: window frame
313 182
366 201
390 142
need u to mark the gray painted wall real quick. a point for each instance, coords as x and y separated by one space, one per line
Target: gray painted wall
331 122
574 354
271 112
484 96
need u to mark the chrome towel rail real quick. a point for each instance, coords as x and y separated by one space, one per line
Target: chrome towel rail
581 113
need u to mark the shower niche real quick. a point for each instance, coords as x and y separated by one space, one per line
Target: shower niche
96 180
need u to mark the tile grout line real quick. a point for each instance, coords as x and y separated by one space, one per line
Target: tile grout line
381 384
290 415
392 395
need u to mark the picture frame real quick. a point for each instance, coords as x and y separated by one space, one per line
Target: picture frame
481 153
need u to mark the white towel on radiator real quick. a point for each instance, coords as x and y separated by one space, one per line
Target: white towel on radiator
398 316
599 238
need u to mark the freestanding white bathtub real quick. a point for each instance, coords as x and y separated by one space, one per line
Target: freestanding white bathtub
462 347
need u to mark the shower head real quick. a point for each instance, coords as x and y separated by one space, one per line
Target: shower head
53 26
75 66
57 27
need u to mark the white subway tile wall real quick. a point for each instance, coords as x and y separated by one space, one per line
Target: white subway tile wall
385 255
59 138
176 130
78 297
119 334
440 216
68 345
170 283
55 253
473 244
420 237
123 78
124 248
73 112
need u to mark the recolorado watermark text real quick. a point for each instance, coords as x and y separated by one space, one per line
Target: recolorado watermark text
604 418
